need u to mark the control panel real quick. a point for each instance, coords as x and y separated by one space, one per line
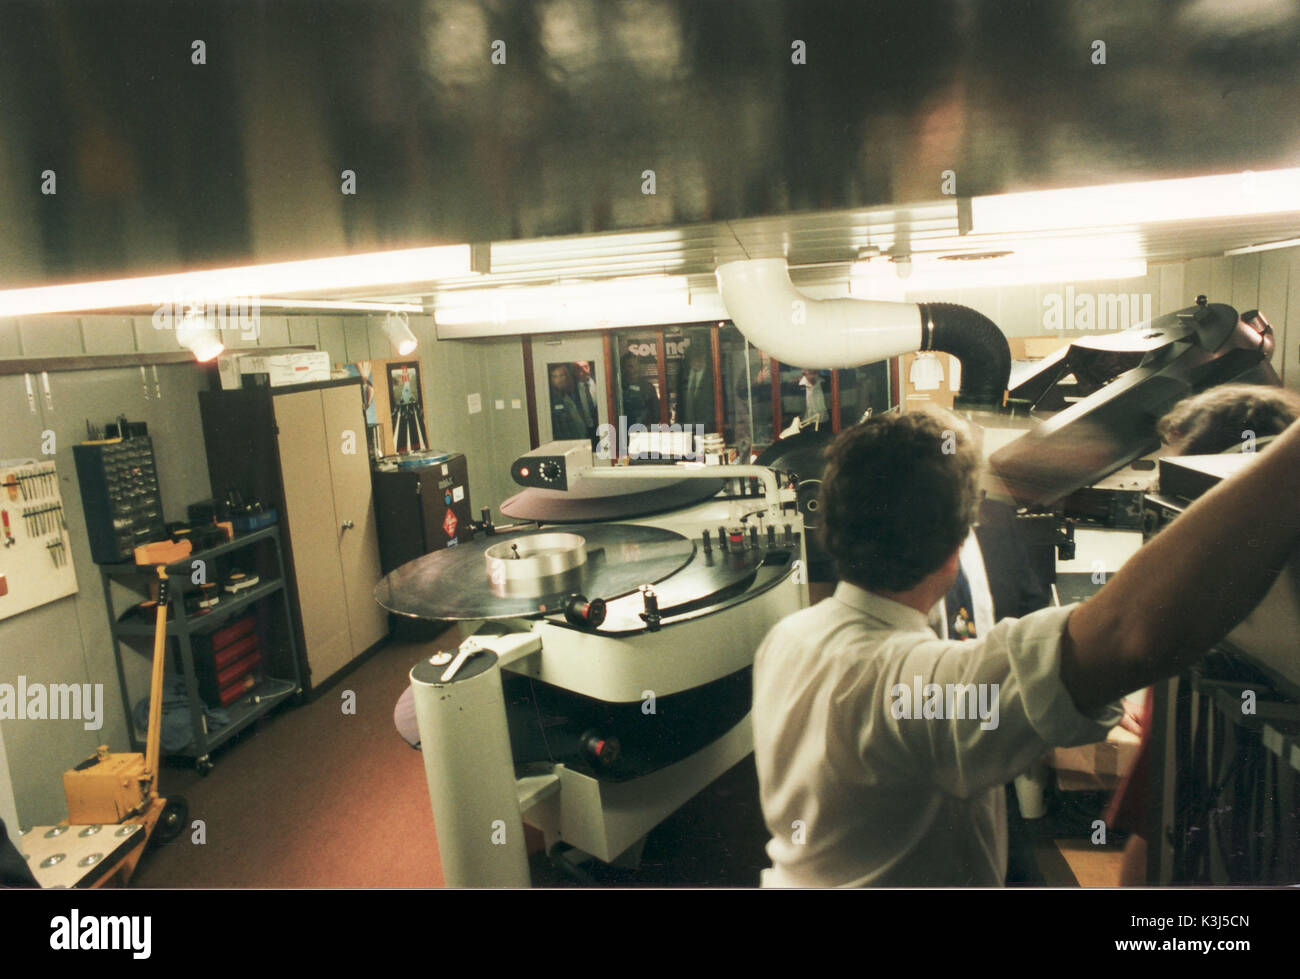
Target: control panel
551 466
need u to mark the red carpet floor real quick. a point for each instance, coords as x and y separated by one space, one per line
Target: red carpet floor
311 797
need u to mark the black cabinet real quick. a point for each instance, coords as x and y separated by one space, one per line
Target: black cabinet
421 510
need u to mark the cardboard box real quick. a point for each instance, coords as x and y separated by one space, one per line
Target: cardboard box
228 369
300 368
1101 765
295 367
1035 348
930 378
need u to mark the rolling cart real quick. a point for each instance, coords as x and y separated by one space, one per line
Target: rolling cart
279 678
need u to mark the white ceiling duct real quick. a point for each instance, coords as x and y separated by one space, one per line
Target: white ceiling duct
814 333
831 333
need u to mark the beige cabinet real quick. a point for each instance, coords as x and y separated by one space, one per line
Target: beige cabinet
303 449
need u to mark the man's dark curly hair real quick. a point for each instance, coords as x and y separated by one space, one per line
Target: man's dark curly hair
1218 419
898 497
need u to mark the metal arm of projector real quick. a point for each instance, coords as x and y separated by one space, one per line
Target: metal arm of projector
510 648
771 487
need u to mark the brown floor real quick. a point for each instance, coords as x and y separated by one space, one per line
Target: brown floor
311 797
1092 866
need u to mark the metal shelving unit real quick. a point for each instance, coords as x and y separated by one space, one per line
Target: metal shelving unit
255 702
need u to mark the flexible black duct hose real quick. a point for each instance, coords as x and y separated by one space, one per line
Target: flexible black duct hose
975 340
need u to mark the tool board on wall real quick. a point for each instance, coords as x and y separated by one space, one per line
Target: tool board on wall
35 556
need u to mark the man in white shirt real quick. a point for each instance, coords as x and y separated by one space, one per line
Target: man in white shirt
882 750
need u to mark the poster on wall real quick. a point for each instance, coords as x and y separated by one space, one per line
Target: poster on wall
406 407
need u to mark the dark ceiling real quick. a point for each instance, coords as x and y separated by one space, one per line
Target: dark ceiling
163 164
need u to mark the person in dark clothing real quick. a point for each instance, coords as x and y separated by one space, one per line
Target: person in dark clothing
695 390
584 393
567 418
640 401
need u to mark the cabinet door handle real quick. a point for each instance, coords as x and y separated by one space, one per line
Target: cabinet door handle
347 525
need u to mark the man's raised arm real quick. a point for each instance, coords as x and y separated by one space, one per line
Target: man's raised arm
1189 586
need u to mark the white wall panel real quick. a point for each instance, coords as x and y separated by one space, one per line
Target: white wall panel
50 336
107 335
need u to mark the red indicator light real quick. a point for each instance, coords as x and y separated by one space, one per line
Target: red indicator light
523 471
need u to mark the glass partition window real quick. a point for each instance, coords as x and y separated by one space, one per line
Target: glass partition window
637 388
746 392
806 396
862 390
689 355
667 378
574 400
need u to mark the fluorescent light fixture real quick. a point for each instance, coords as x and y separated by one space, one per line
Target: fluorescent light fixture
342 305
398 329
317 275
1267 246
565 306
1223 195
559 294
196 334
878 280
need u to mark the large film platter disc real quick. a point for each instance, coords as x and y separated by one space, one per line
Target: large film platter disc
485 579
596 499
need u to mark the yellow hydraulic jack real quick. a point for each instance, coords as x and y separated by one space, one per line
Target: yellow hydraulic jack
122 788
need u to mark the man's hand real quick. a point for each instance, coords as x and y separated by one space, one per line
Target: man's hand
1132 719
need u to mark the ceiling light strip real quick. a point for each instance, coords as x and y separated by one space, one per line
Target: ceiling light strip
310 275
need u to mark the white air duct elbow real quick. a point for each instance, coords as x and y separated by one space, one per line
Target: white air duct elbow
821 334
818 334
